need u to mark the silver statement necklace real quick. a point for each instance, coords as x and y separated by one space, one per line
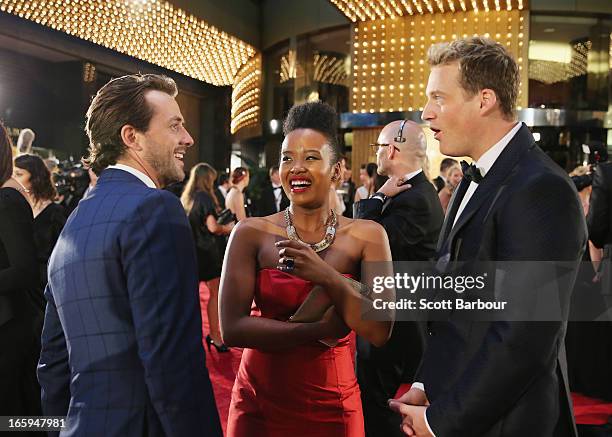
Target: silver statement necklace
328 239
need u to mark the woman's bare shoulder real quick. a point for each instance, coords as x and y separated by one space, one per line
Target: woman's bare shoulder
267 224
362 228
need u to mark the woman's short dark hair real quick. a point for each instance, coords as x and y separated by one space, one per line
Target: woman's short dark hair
317 116
118 103
371 169
42 187
6 155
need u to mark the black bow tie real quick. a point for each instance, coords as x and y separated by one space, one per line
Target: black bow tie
276 188
471 173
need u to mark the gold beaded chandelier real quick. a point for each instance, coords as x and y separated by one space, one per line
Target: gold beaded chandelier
151 30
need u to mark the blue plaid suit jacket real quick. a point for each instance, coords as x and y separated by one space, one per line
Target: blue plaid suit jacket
122 347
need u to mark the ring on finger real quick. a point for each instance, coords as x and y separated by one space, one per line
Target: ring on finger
289 262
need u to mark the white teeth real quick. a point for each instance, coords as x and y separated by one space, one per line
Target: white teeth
179 155
300 183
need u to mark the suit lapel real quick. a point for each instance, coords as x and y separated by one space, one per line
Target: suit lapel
451 212
502 168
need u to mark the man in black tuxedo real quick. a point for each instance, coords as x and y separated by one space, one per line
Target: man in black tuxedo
273 198
495 378
445 166
412 219
600 206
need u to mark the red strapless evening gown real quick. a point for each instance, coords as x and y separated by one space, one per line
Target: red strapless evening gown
308 390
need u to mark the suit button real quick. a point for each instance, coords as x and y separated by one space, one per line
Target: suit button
430 332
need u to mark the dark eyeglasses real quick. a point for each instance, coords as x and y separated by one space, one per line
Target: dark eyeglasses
375 146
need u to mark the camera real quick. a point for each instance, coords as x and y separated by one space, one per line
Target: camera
71 181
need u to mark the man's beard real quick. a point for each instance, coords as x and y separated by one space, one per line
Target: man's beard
167 170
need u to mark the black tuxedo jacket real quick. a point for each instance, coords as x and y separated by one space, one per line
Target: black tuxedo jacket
412 219
506 378
600 206
439 183
268 201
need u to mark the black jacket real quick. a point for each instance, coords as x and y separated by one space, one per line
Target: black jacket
267 204
506 378
412 219
439 183
599 219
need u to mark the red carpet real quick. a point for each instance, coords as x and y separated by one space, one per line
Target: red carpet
223 367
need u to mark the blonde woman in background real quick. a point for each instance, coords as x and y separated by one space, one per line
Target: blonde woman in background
202 207
454 176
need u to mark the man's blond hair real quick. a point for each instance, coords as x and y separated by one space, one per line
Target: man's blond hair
483 63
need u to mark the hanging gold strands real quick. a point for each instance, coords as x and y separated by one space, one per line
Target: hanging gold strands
328 239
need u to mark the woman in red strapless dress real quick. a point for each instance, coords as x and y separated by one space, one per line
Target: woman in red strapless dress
291 384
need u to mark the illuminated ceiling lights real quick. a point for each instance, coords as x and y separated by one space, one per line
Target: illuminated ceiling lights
151 30
389 57
330 69
288 67
368 10
246 95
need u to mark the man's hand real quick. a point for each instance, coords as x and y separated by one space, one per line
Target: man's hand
414 396
413 418
393 186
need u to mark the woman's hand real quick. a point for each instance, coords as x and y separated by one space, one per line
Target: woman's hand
300 260
333 326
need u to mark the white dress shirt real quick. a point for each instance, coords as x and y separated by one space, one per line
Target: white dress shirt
484 164
278 195
140 175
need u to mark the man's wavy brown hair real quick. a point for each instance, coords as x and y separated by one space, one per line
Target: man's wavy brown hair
118 103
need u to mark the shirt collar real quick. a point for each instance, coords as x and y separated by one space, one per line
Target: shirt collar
140 175
412 174
488 158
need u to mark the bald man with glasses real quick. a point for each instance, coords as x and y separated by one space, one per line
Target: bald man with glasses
407 206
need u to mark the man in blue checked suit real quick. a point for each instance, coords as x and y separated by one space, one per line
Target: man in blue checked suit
122 347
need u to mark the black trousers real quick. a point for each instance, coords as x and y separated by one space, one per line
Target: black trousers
19 353
381 371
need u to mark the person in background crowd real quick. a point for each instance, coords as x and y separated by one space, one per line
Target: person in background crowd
20 316
453 178
25 140
49 217
51 164
235 200
335 198
599 222
412 217
273 198
379 181
446 164
348 187
122 350
93 180
202 208
367 177
223 185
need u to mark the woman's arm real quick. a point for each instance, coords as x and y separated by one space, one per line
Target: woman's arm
348 301
216 228
235 202
238 281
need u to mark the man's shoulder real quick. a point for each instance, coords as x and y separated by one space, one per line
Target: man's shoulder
539 168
